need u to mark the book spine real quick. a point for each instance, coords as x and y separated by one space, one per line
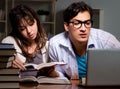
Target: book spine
9 71
9 85
7 52
9 78
6 58
5 64
6 46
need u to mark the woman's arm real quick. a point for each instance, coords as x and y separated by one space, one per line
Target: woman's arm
19 60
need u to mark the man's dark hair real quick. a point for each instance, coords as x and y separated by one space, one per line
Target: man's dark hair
72 10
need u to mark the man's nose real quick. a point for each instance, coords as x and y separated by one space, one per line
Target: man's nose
83 28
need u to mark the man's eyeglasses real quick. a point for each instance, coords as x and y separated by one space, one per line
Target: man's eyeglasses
77 23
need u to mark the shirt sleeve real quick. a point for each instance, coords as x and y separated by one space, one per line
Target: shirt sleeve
10 39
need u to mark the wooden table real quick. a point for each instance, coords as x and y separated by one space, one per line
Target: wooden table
74 85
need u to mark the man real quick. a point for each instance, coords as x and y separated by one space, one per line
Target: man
71 45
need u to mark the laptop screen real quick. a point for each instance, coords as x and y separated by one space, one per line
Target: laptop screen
103 67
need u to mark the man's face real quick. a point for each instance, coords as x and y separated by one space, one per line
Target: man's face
79 27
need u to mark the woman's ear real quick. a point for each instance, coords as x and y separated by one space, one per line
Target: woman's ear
66 26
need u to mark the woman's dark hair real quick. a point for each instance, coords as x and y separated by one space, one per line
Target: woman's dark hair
23 12
72 10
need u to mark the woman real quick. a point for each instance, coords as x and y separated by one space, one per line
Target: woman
28 37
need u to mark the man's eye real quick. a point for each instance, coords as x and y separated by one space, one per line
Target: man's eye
88 23
75 23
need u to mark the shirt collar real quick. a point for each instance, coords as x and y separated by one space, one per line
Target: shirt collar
90 42
66 43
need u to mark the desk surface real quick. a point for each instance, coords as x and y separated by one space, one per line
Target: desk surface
74 85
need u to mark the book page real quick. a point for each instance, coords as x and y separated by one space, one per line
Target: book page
42 65
35 66
83 80
53 80
28 79
54 86
45 80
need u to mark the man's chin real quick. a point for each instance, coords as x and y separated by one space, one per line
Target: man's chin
83 41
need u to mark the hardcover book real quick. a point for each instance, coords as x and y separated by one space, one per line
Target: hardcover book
45 80
7 52
6 58
9 85
9 78
9 71
5 64
7 49
6 46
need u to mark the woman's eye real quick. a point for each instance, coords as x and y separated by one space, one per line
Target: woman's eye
21 28
31 23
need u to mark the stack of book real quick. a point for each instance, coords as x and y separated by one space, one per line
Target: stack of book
9 77
7 52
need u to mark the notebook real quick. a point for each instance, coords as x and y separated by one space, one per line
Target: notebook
103 68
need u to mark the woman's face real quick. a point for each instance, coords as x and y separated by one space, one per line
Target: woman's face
28 29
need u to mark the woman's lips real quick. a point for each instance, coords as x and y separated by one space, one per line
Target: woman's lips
31 36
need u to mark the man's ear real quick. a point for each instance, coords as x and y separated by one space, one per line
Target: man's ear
66 26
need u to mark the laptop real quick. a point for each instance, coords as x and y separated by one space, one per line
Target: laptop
103 67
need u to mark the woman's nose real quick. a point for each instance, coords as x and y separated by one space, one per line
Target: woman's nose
29 29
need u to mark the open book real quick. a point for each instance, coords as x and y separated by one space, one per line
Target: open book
45 80
45 86
43 65
33 74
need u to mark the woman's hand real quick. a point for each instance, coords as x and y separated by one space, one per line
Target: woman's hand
17 63
53 73
48 71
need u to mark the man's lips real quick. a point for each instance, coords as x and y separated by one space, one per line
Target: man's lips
83 35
